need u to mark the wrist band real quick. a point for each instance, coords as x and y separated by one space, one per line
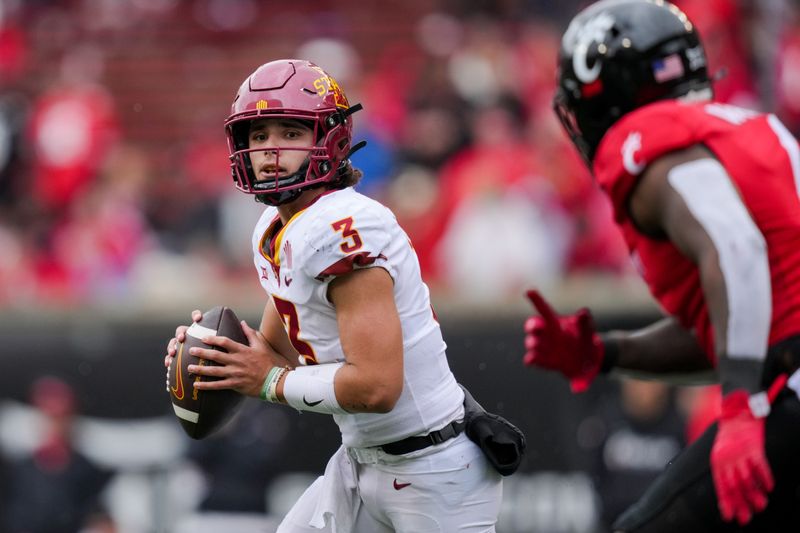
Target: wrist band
265 386
270 386
759 404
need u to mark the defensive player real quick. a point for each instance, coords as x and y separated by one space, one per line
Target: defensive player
707 198
348 328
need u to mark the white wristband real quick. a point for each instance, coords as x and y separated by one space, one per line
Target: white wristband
310 388
759 404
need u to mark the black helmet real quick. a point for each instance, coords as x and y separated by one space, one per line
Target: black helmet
618 55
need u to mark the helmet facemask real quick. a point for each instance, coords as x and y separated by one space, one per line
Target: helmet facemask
317 168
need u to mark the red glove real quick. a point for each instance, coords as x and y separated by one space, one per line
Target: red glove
568 344
739 467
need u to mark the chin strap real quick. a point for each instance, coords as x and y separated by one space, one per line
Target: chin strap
360 144
352 109
278 198
281 197
345 164
340 116
355 148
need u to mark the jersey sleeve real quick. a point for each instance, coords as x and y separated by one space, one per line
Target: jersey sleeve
637 140
348 237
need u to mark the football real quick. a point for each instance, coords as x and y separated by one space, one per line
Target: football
202 412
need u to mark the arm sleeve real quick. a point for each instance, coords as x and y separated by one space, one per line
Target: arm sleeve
743 260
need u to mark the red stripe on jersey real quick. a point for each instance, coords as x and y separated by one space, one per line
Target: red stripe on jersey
349 263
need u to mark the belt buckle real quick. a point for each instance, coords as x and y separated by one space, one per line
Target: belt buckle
446 433
366 455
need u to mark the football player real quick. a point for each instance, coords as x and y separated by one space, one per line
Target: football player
348 329
707 198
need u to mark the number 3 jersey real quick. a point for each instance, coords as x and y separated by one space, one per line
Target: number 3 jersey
762 160
339 232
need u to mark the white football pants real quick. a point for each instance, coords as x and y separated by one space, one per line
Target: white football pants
446 488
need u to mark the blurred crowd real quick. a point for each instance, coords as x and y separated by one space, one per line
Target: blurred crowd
114 179
115 186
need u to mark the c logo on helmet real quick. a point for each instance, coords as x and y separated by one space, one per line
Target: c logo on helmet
583 36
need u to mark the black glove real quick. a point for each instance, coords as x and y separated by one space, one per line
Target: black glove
502 442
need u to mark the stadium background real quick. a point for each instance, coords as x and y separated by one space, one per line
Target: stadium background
117 217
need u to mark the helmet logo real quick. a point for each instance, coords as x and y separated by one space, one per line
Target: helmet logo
327 85
593 31
262 104
629 148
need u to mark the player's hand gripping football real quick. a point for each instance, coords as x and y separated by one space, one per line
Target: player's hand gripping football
568 344
241 367
739 466
174 342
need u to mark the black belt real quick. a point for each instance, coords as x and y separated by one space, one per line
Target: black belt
412 444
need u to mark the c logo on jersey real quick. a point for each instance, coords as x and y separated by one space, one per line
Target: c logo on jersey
582 37
629 148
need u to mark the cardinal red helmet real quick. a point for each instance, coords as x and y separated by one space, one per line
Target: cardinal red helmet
296 89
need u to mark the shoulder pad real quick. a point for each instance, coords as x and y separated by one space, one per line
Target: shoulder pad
346 233
638 139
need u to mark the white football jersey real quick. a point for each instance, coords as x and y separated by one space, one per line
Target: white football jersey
339 232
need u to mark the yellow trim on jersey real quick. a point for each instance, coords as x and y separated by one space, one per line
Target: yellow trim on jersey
276 259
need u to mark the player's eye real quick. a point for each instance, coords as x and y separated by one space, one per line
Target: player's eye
293 134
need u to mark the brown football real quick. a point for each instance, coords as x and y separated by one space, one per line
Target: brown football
202 412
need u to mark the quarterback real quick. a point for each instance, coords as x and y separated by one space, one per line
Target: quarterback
347 329
707 197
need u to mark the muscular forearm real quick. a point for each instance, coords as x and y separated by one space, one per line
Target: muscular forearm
664 348
274 334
